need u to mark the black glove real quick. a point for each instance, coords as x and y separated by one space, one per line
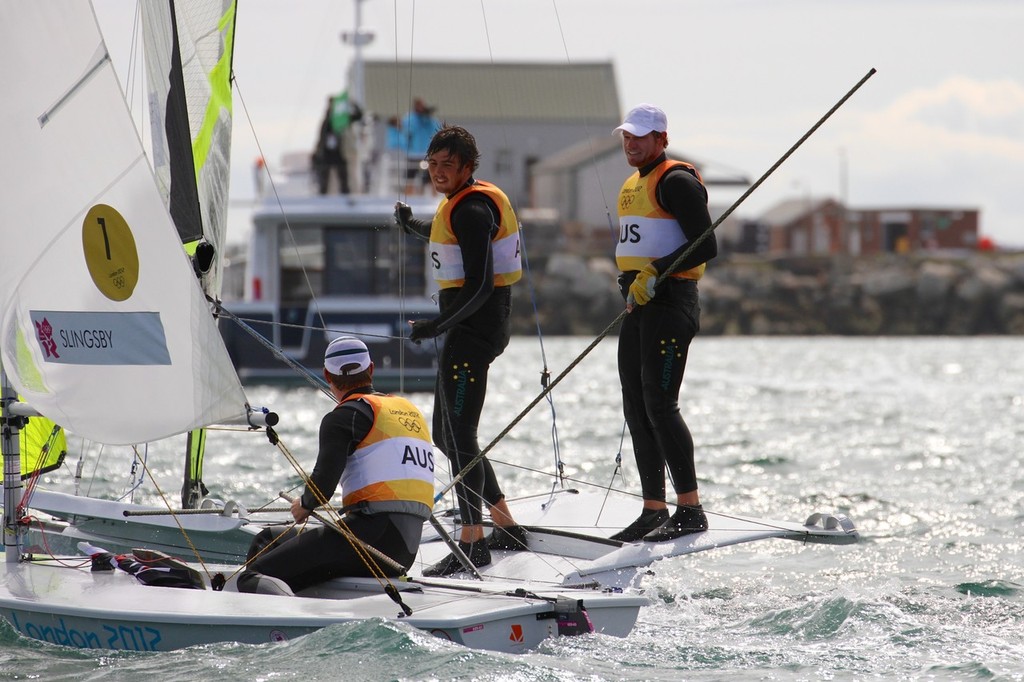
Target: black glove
423 329
403 214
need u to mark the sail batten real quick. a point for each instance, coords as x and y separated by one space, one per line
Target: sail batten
102 57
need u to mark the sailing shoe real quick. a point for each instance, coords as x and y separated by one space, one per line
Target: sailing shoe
649 519
686 520
510 538
478 555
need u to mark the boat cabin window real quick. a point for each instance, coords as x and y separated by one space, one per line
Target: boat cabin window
348 261
301 255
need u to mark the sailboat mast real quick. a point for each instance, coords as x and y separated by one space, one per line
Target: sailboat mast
360 38
357 88
11 447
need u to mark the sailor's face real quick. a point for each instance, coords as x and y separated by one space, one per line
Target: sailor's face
640 151
447 173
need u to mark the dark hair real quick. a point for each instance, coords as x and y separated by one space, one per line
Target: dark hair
345 382
458 142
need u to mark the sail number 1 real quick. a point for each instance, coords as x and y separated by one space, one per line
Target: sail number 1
110 252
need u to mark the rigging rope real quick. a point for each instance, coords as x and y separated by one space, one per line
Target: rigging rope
308 375
280 204
177 521
36 465
545 374
615 472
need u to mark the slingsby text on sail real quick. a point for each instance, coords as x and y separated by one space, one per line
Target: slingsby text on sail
88 338
100 338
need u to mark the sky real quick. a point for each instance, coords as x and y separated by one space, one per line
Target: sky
940 124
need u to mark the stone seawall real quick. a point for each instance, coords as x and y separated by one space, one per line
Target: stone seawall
931 294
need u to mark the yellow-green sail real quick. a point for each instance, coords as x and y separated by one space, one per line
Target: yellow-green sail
190 85
43 447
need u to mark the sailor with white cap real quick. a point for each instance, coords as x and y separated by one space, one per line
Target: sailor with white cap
663 216
378 448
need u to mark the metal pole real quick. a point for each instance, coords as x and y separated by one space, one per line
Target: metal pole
358 85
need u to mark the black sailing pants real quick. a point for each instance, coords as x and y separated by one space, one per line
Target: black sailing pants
469 349
653 343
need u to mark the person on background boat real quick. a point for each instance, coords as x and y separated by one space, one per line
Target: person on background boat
417 129
393 138
330 147
475 252
394 154
378 446
662 211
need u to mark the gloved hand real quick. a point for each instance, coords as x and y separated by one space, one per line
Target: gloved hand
642 289
423 329
403 214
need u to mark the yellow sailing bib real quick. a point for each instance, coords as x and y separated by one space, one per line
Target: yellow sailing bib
646 230
392 469
445 255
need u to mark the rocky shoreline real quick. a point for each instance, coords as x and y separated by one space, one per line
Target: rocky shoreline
935 293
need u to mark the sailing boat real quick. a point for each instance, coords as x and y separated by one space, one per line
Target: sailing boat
105 329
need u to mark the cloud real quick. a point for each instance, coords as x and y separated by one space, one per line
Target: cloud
959 116
959 143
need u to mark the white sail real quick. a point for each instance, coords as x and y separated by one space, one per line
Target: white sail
188 47
103 325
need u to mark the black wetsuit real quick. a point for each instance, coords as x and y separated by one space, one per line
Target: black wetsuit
318 554
654 341
476 317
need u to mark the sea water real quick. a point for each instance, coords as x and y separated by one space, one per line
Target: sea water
918 440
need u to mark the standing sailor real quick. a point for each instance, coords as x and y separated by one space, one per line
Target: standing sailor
475 252
662 211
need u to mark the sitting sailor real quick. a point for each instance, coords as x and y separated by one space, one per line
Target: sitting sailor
379 448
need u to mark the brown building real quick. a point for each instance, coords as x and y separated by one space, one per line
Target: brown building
826 227
902 230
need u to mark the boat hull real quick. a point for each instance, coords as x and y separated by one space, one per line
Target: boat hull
76 607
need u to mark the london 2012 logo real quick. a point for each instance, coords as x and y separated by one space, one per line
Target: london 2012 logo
44 332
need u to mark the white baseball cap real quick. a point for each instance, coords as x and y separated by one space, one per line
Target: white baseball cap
644 118
346 355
